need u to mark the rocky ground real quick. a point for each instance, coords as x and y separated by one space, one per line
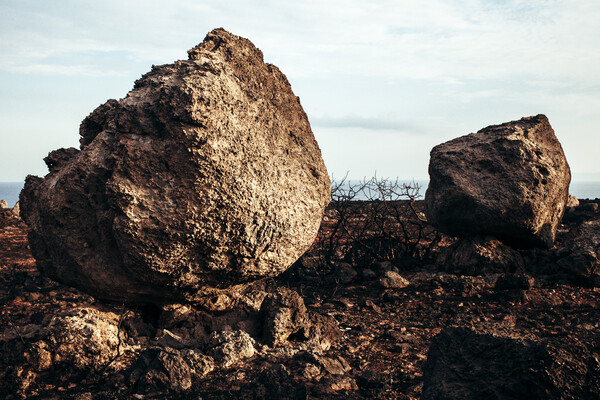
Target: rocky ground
351 331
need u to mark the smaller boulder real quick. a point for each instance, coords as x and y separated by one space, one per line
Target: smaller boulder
579 256
479 256
510 181
284 314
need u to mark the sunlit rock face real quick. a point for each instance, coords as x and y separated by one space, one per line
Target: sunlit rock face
510 181
205 176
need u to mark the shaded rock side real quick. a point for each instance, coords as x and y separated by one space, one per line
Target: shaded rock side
206 175
579 256
510 181
463 364
478 256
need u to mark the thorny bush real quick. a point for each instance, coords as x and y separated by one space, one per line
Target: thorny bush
374 220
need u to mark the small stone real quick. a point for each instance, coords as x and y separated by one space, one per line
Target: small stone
393 280
368 274
372 306
229 348
513 282
344 273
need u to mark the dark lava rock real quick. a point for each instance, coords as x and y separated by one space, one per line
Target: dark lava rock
477 256
510 181
513 282
284 314
169 368
579 256
462 364
205 176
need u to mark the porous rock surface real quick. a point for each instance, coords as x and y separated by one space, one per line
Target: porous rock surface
510 181
205 176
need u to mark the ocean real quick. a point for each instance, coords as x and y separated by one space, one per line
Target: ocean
9 191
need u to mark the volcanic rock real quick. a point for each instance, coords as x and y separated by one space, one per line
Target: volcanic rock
393 280
205 176
478 256
579 256
284 314
510 181
463 364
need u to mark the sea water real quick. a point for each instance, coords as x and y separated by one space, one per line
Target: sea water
9 191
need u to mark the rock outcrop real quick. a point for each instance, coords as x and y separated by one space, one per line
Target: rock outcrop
579 256
510 181
463 364
205 176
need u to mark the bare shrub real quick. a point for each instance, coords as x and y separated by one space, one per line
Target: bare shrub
374 220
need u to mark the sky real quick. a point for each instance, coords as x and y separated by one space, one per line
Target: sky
382 81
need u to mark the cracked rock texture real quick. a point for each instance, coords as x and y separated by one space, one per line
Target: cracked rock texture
510 181
205 176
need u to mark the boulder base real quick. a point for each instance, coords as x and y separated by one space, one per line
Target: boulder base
206 175
510 181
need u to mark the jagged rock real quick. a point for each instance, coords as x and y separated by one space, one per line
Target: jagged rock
579 256
175 369
79 342
463 364
85 338
393 280
16 210
344 273
572 201
510 181
3 204
205 176
284 314
478 256
229 348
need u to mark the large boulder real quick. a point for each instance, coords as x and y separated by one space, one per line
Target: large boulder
510 181
206 175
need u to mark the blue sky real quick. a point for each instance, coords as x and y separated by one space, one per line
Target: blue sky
381 81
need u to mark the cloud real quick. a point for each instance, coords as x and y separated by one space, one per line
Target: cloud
374 124
451 66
